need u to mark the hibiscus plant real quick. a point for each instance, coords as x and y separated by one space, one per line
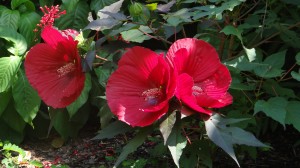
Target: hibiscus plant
197 72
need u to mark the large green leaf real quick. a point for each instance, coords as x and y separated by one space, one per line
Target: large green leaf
27 100
18 46
11 117
275 108
225 137
293 114
105 116
133 144
166 125
8 69
4 100
176 143
74 107
136 35
9 134
10 19
96 5
16 3
27 25
68 127
113 129
76 17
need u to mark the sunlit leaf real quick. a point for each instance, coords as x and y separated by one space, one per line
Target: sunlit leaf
166 125
275 108
166 7
137 35
112 8
176 143
27 100
18 44
8 69
296 75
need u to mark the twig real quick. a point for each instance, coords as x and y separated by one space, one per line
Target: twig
281 79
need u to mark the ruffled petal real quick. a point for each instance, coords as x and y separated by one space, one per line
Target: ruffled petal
194 57
52 36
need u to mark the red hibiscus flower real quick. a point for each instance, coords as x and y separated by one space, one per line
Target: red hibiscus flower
54 68
203 80
138 92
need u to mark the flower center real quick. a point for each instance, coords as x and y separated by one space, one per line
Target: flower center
64 70
153 96
197 90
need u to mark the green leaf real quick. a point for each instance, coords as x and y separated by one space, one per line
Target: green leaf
19 45
272 87
241 137
133 144
297 57
8 69
276 60
10 19
275 108
293 114
79 102
27 100
96 5
105 116
181 16
166 125
136 35
4 100
176 143
214 133
13 147
11 117
9 134
66 126
16 3
296 75
113 129
230 30
76 17
27 25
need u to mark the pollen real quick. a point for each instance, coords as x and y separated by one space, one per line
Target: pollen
66 69
153 96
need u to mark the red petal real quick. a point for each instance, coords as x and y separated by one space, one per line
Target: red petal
52 36
42 63
194 57
140 70
185 94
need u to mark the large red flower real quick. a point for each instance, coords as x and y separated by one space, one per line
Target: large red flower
138 92
54 68
203 80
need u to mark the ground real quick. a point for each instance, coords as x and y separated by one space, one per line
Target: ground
84 152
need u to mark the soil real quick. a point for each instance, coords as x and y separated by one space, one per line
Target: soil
84 152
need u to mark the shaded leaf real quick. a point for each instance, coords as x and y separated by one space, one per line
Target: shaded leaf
113 129
28 23
16 3
296 75
80 101
102 24
4 100
275 108
133 144
11 117
96 5
27 100
293 114
8 69
181 16
105 116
